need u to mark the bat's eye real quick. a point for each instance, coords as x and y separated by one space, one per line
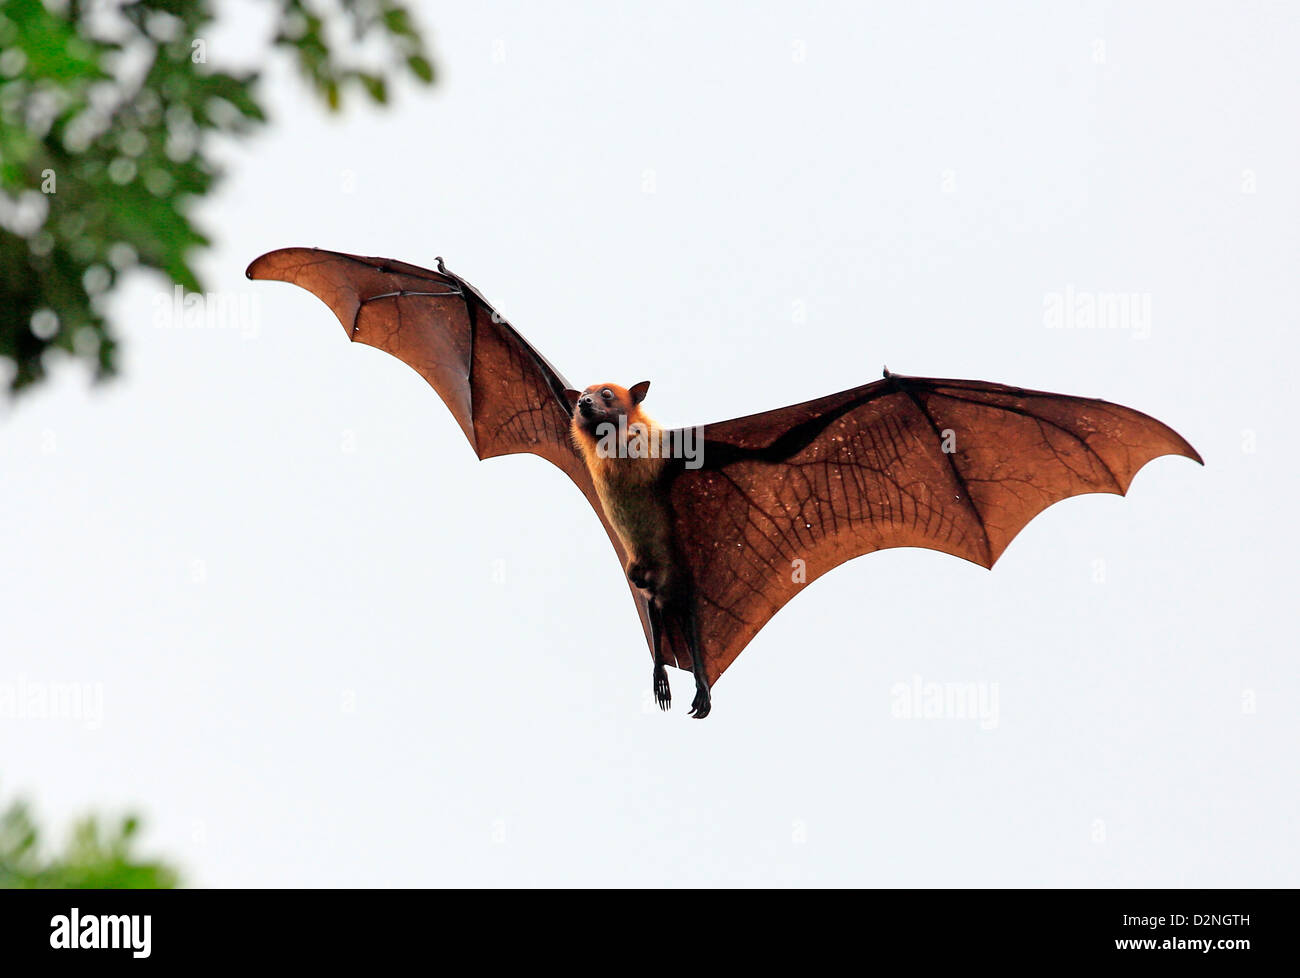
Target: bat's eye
607 394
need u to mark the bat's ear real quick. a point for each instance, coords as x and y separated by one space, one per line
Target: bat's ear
638 391
572 398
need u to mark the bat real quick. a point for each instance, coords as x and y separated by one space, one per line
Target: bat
717 527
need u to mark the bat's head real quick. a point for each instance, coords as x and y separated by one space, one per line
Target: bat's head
605 403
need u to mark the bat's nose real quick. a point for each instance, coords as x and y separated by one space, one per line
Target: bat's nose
585 404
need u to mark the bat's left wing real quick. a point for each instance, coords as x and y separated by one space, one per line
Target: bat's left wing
503 393
957 466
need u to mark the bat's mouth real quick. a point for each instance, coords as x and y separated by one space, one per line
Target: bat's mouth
587 409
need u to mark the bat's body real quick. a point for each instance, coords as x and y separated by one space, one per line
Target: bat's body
627 487
607 418
716 542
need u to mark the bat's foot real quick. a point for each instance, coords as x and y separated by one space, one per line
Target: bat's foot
663 695
638 574
702 703
642 574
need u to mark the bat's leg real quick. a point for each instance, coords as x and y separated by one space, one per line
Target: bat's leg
703 701
663 695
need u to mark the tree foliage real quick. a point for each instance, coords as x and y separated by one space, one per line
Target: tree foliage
96 857
108 109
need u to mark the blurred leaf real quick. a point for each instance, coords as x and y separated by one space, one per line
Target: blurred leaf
375 86
420 67
94 858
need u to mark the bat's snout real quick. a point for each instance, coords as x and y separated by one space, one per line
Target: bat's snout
586 406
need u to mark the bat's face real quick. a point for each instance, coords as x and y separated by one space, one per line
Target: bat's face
606 403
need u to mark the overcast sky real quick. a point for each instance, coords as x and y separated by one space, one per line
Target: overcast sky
335 649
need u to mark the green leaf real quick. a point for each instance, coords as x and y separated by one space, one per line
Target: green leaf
421 68
374 86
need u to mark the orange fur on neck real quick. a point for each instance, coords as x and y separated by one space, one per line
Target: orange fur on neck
614 469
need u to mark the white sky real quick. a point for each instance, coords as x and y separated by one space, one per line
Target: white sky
275 551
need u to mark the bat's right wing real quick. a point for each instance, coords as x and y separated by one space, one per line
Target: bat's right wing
504 394
957 466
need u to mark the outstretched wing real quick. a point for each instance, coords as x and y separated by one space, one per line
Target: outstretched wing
958 466
504 394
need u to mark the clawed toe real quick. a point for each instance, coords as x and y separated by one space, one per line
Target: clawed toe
663 694
702 703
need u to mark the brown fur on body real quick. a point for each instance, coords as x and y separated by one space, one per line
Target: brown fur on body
627 486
